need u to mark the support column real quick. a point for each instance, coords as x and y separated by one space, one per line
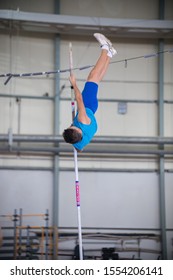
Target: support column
56 132
161 134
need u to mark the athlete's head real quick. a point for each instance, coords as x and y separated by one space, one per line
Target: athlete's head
72 135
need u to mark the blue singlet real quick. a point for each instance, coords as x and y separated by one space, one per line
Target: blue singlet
88 130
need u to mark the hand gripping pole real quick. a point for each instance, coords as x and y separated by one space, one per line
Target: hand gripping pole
76 162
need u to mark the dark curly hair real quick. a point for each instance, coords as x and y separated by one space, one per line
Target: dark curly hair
71 135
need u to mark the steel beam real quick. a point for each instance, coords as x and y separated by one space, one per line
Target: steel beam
83 169
49 98
56 139
80 25
19 96
90 152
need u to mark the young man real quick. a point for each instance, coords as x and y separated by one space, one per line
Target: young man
84 126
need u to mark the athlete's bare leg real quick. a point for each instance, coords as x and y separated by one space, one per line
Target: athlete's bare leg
100 68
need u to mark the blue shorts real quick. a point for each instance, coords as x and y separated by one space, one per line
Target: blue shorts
89 95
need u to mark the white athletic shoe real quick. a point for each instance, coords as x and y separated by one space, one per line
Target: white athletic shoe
105 42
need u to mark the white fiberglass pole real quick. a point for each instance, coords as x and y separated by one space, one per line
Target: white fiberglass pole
76 163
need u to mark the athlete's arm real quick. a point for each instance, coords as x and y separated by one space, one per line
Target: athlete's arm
82 116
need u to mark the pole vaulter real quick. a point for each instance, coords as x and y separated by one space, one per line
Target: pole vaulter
84 124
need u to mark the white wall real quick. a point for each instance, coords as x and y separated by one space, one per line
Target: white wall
115 193
111 8
23 54
29 190
111 200
42 6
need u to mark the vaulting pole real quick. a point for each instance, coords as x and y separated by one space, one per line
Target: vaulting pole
76 162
